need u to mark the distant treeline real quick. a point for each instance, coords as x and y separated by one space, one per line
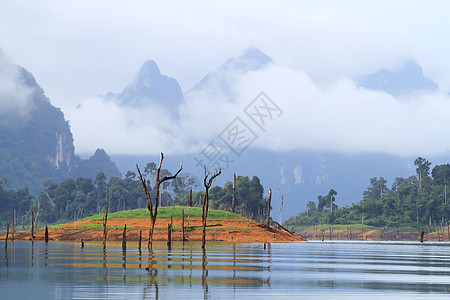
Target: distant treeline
73 199
414 202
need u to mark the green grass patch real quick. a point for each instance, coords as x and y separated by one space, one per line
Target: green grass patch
88 226
167 212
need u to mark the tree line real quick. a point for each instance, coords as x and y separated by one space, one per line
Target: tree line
417 202
73 199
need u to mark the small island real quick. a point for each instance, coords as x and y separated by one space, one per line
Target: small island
222 226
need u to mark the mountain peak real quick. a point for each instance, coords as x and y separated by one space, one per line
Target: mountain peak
150 87
149 69
407 80
255 54
252 60
220 81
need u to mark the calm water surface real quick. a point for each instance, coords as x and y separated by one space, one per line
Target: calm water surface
226 271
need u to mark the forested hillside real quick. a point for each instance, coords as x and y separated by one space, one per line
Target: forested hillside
414 202
73 199
36 143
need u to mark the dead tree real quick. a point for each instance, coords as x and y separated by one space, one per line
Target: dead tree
7 233
105 218
234 193
140 240
266 223
183 234
207 183
124 239
159 181
169 234
46 234
190 198
32 226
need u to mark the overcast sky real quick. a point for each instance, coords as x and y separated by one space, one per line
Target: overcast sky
80 49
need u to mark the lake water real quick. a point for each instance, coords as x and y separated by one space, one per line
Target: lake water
347 270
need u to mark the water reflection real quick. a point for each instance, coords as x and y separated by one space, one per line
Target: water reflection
227 270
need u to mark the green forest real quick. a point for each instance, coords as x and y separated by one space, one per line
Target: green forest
73 199
415 202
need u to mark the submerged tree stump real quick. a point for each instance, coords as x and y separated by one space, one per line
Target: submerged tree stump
183 235
266 223
169 234
32 226
7 233
124 238
46 233
105 219
140 240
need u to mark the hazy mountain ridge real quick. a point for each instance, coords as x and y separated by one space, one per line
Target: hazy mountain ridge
405 81
220 80
149 88
37 143
307 173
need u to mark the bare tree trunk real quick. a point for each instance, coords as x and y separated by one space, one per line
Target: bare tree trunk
105 219
140 240
190 198
169 234
6 239
124 238
234 193
448 231
46 233
159 181
204 216
183 238
12 232
362 228
207 183
32 226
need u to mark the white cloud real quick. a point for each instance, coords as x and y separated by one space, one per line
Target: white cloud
338 117
96 123
15 96
343 118
84 48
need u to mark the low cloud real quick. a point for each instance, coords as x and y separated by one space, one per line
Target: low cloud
340 117
337 117
15 95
